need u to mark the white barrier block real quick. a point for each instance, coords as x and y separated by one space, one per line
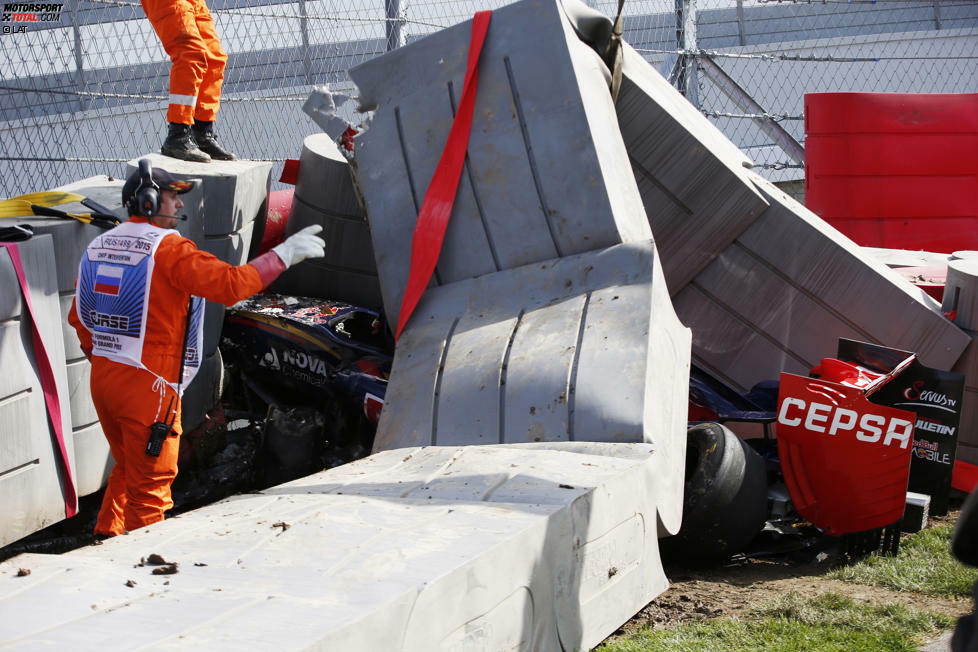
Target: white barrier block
538 547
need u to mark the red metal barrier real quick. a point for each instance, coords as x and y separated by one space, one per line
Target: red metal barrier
895 170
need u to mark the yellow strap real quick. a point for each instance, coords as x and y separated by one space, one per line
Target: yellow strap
50 198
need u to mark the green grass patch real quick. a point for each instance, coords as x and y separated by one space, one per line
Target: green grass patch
923 565
826 622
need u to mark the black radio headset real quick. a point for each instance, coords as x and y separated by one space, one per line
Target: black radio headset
145 202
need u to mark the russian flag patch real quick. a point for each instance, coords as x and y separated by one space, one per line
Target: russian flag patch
108 278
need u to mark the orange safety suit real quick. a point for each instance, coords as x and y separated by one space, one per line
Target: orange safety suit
129 399
186 29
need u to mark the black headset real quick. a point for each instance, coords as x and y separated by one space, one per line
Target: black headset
145 202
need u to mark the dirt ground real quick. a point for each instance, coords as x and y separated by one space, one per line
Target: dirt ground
733 589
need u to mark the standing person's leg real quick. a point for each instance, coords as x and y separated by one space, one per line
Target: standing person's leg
110 517
148 479
209 94
175 24
129 401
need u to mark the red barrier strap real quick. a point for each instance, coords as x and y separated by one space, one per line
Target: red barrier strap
48 384
436 208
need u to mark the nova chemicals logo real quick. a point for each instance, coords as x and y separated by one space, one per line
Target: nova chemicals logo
22 13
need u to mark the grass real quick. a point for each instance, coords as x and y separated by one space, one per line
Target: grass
923 565
826 622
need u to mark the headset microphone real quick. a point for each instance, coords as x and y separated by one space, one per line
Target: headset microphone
182 218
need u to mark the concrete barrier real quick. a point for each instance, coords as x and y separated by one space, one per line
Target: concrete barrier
31 478
781 295
694 182
546 175
324 194
533 547
581 348
69 239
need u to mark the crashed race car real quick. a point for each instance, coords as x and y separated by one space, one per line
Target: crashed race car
295 350
313 372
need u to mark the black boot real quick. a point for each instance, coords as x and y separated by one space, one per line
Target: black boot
207 140
179 144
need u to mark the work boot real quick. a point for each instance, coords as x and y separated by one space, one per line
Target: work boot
179 144
207 140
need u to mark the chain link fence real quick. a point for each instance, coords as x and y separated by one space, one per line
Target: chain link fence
84 85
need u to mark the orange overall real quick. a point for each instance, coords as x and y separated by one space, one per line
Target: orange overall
186 29
129 399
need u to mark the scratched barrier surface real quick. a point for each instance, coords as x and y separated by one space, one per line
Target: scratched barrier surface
547 174
584 348
70 238
324 195
542 547
789 287
31 478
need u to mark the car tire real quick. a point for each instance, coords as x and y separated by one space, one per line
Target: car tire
724 501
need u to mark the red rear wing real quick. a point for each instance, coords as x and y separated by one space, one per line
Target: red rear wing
846 461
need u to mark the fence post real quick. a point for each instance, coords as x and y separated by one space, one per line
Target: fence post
83 101
937 14
304 29
684 74
392 27
740 22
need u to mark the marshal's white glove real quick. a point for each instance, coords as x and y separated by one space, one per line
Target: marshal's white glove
301 245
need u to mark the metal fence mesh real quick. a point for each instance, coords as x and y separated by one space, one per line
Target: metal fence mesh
81 94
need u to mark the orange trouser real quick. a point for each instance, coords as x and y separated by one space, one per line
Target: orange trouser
186 29
139 487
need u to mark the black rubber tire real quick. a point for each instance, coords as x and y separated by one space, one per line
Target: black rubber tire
724 501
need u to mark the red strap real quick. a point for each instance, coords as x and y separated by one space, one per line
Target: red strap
436 208
46 372
290 172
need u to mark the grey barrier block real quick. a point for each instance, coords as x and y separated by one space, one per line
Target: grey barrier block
325 195
325 180
204 391
233 249
584 348
92 456
552 548
961 292
69 239
968 426
546 174
68 335
310 279
31 486
93 459
79 374
234 192
781 295
903 258
693 180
